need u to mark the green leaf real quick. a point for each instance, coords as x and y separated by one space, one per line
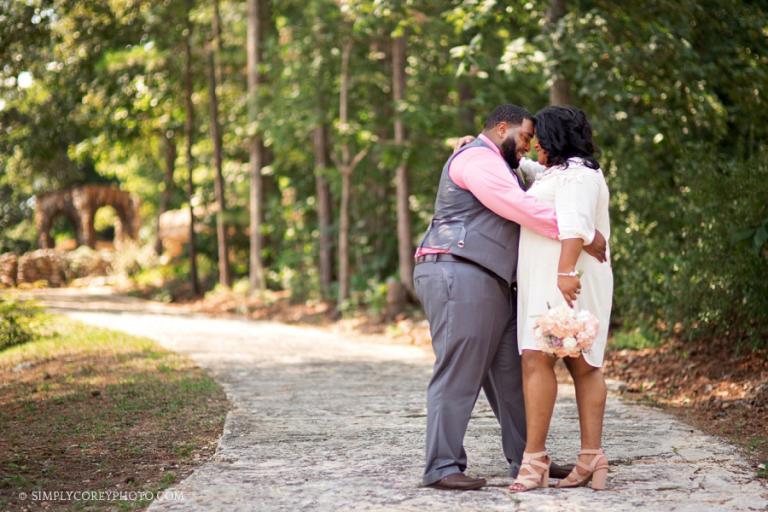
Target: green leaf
761 236
742 235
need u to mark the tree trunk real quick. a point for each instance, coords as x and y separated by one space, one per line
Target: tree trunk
216 33
225 277
346 167
560 91
323 192
346 177
165 198
466 110
189 132
404 243
255 43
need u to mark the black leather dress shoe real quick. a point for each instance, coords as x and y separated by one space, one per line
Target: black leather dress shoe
560 471
459 482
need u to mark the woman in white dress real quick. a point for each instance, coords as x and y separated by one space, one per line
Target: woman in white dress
549 273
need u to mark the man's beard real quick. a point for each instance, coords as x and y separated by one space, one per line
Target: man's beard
509 152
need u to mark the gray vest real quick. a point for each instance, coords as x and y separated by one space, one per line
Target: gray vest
466 228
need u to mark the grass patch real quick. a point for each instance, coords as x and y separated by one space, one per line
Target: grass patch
88 409
635 339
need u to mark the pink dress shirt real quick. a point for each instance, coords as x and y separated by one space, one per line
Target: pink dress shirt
485 174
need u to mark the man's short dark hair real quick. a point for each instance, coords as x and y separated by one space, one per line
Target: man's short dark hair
508 113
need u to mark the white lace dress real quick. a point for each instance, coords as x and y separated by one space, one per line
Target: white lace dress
580 198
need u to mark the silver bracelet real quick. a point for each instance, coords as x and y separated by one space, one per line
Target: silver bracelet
573 273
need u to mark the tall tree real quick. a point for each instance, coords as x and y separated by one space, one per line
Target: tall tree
189 129
346 165
466 108
560 90
323 191
214 77
169 148
255 45
319 31
404 243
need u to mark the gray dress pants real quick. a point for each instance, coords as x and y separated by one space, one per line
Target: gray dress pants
471 316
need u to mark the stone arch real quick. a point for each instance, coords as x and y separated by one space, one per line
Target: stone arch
80 205
45 224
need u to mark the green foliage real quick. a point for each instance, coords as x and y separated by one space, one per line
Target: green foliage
370 297
674 90
18 322
698 281
133 258
85 261
169 282
634 339
755 237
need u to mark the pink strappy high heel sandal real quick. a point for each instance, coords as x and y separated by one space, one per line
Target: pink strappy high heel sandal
596 471
532 479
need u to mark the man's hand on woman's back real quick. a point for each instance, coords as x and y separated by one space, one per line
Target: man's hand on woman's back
597 248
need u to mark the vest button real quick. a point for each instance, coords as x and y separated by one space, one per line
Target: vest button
460 244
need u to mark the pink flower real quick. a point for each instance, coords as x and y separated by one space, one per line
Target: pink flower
564 332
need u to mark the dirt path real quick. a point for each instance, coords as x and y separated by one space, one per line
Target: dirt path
325 421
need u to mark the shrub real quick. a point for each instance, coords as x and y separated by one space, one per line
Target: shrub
17 322
132 258
85 261
697 274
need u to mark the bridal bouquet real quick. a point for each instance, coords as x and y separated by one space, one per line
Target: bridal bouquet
563 331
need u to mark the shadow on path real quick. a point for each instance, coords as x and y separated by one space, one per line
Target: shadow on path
324 421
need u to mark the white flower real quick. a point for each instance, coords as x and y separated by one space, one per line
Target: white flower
569 343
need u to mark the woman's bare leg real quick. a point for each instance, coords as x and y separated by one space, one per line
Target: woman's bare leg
540 391
590 397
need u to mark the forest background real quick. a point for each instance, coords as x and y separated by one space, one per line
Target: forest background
308 136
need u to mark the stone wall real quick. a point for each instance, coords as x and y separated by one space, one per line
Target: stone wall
9 264
43 265
52 267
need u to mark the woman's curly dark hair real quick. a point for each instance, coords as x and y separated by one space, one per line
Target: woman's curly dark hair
564 132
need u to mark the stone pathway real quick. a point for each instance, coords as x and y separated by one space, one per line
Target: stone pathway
325 421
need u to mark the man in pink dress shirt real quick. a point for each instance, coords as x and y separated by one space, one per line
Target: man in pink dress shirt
465 279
